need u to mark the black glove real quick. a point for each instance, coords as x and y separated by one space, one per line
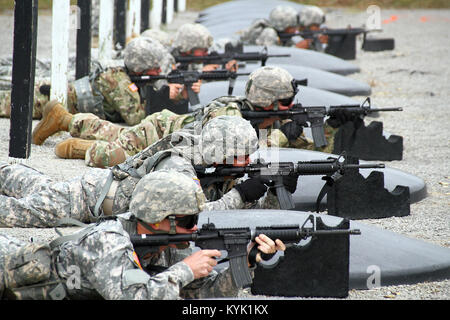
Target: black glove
292 130
45 90
251 189
290 182
341 116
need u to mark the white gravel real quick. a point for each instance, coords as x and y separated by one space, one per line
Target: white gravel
414 76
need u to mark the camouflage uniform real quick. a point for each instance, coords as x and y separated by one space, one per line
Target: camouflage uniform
39 101
182 150
267 85
191 36
310 15
121 101
111 138
120 97
31 199
104 259
265 32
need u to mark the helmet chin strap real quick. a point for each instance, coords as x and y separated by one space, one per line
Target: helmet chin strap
276 105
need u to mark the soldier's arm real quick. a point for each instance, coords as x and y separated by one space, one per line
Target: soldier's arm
219 283
111 269
121 95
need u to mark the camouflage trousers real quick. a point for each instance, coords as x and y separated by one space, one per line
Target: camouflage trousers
39 101
29 198
112 138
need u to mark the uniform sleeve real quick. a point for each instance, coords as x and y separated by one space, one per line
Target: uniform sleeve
229 201
120 95
219 283
107 260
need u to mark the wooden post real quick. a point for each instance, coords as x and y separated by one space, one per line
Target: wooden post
84 38
133 19
156 14
164 12
22 87
106 28
169 11
180 5
120 18
60 50
145 13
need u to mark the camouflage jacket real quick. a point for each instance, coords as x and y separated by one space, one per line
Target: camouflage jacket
100 262
121 100
273 136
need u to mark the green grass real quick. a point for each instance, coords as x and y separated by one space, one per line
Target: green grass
197 5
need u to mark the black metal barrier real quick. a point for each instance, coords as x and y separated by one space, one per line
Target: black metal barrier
318 269
353 140
355 197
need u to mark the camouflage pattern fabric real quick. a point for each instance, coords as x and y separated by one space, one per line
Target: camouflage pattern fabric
162 193
310 15
31 199
163 37
108 268
267 85
121 96
143 53
192 36
121 100
274 137
112 138
260 32
226 137
282 17
39 101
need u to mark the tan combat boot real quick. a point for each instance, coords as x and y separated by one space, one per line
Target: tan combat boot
73 148
55 118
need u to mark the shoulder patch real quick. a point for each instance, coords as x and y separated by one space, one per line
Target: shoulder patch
133 87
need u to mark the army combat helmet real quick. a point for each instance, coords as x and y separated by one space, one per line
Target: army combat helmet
310 15
164 193
156 34
282 17
269 84
225 137
192 36
142 54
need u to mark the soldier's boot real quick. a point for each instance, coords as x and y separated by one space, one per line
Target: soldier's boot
55 118
73 148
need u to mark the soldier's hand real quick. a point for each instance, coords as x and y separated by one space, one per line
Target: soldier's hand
304 44
232 66
196 86
341 116
290 182
323 38
251 189
266 246
202 262
174 90
210 67
292 130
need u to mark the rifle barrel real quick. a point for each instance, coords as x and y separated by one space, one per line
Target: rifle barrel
365 166
386 109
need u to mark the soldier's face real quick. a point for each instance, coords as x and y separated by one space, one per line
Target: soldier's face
291 30
199 52
241 161
153 72
165 226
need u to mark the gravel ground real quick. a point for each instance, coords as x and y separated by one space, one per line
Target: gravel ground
414 76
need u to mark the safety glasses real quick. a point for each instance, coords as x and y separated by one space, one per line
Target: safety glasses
187 222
